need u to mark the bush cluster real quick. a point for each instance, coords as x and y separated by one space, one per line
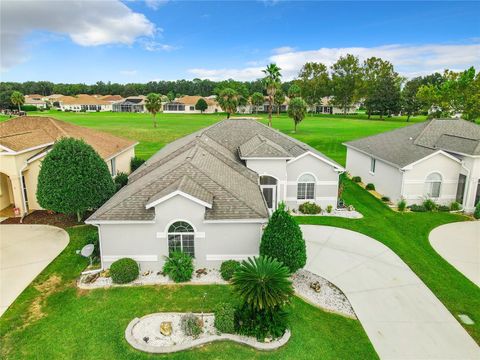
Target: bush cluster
356 179
135 163
454 206
443 208
225 318
370 186
124 270
309 208
430 205
178 266
28 108
261 323
191 325
401 205
120 180
385 199
417 208
228 268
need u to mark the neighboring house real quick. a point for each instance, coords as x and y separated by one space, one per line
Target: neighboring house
35 100
133 104
326 107
210 193
252 109
186 105
437 159
24 142
83 102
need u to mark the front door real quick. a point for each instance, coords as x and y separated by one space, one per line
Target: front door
270 195
461 188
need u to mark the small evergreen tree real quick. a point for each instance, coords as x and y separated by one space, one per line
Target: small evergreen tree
201 105
283 240
73 178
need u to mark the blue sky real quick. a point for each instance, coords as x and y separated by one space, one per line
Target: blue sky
139 41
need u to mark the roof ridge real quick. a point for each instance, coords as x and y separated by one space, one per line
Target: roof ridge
419 136
54 123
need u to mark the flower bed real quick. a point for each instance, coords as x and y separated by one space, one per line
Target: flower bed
343 213
144 334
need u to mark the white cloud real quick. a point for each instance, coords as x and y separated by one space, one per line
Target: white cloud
283 50
409 60
128 72
87 23
155 4
152 45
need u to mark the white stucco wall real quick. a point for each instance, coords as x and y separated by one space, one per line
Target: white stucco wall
148 243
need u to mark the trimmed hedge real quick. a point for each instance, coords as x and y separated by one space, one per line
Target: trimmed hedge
356 179
370 186
417 208
309 208
179 267
385 199
124 271
228 268
225 318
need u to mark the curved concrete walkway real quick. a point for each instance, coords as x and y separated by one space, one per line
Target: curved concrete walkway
25 250
459 244
401 316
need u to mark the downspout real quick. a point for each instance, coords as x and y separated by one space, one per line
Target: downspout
467 187
402 186
22 191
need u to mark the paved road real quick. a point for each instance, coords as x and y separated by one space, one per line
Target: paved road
459 244
25 250
401 316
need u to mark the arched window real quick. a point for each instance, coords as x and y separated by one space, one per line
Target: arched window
306 187
181 237
433 185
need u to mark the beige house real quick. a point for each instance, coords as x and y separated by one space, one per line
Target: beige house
24 142
84 102
186 105
35 100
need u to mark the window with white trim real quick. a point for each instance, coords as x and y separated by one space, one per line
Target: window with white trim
306 187
433 185
373 164
181 236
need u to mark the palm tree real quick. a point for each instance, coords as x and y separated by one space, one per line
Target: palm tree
297 110
18 99
263 283
153 104
228 101
271 82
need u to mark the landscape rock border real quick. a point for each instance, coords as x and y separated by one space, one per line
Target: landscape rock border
252 342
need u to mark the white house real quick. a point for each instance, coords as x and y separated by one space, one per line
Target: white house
84 102
437 159
326 107
186 105
210 193
35 100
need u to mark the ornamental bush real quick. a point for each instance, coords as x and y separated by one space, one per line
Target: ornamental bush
120 180
73 178
385 199
443 208
124 270
417 208
261 324
135 163
476 213
191 325
370 186
429 205
282 239
179 266
401 205
309 208
228 268
357 179
29 108
454 206
225 318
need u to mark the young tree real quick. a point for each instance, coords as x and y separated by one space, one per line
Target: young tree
201 105
171 95
257 100
279 99
282 239
17 99
315 83
73 179
153 104
411 105
297 110
271 82
228 101
294 91
346 81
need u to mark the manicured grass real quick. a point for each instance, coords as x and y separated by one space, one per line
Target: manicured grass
90 324
407 235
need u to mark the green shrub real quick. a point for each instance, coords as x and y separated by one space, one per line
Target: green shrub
429 205
357 179
225 318
191 325
178 266
385 199
135 163
261 323
370 186
417 208
29 108
124 270
120 180
309 208
329 209
401 205
455 206
92 238
476 213
228 268
282 239
443 208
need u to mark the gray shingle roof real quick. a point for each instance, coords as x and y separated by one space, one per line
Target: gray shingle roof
206 165
404 146
259 146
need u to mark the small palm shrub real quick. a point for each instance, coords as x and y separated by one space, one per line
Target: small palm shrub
429 205
135 163
401 205
120 180
476 213
124 271
225 318
283 240
178 266
454 206
309 208
191 325
357 179
370 186
228 268
329 209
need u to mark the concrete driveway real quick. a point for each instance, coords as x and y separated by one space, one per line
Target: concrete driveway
25 250
401 316
459 244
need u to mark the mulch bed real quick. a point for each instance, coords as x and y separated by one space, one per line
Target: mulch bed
43 217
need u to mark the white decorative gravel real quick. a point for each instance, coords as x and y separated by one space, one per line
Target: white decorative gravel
211 278
336 213
329 298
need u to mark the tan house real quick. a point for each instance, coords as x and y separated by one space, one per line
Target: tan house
84 102
186 105
24 142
